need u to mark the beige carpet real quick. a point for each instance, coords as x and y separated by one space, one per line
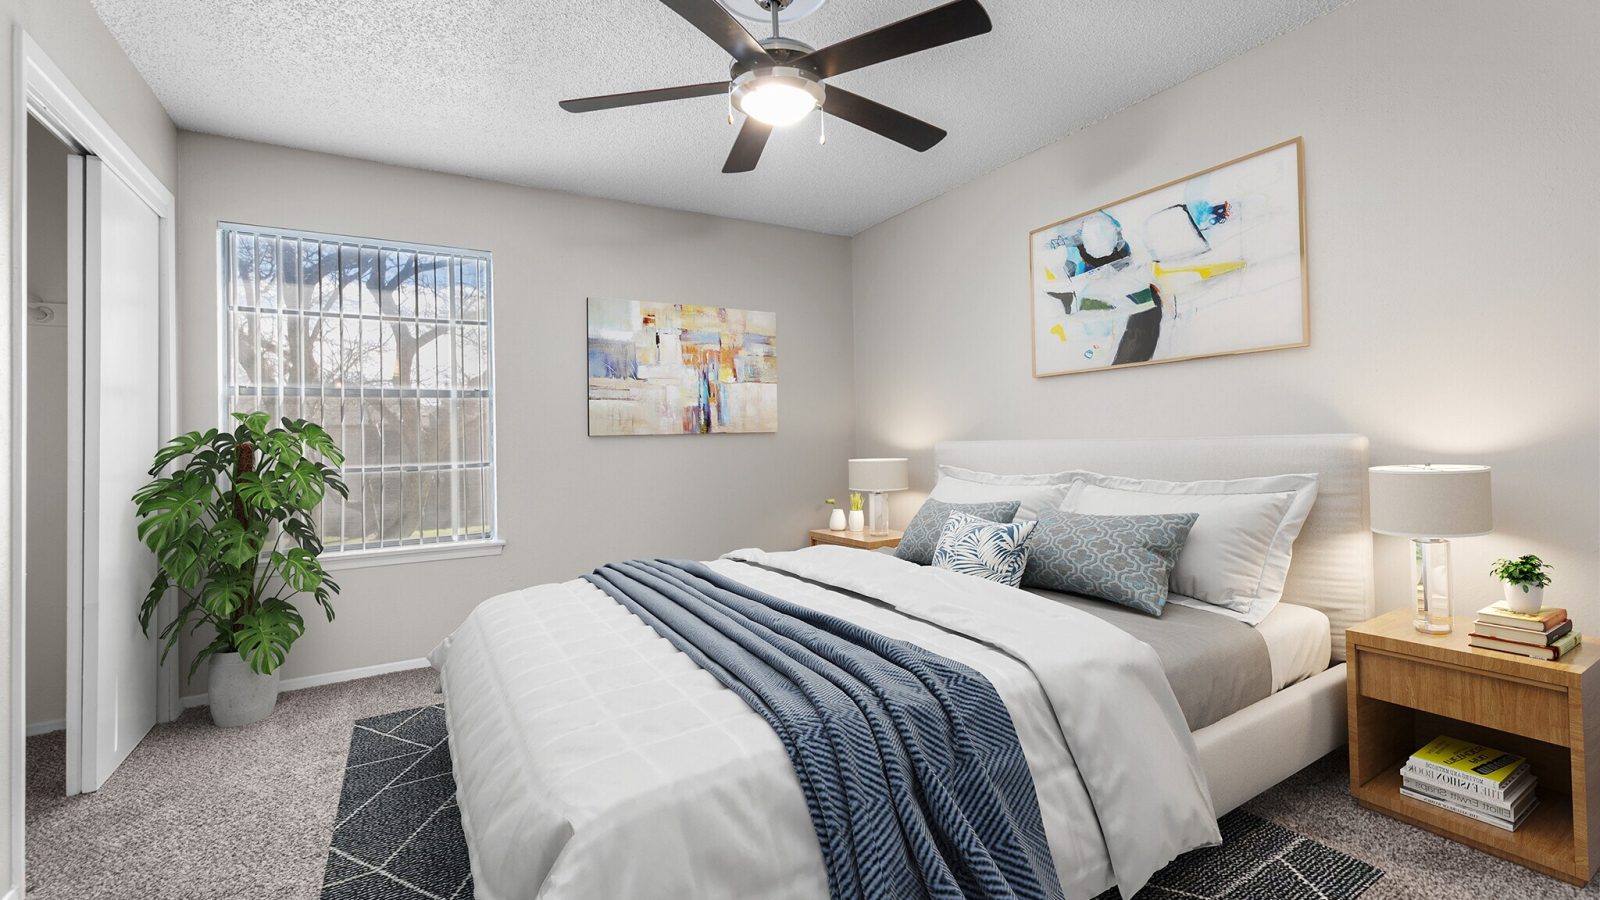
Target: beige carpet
199 812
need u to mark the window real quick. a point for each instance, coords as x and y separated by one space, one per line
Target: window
388 346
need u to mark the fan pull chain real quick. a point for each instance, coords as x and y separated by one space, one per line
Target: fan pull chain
822 120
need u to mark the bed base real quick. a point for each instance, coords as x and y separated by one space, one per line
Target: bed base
1259 746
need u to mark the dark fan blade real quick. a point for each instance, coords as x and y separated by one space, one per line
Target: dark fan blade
873 116
945 25
747 147
719 25
635 98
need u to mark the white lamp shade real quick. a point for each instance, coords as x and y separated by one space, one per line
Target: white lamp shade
878 474
1431 501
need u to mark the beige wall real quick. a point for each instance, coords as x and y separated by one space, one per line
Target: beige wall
567 502
1451 192
47 430
78 42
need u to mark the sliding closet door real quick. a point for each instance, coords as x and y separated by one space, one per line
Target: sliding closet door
117 377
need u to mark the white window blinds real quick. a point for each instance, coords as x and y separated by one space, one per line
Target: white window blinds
386 345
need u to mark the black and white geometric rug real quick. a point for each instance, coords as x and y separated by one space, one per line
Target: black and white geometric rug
1259 860
398 834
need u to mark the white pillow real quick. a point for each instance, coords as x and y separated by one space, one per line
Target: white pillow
1036 493
1238 551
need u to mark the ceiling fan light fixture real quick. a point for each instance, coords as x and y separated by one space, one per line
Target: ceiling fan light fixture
777 81
777 95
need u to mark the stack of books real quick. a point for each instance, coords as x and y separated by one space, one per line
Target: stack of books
1472 780
1546 634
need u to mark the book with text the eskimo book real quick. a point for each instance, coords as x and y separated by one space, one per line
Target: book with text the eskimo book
1543 620
1468 766
1515 801
1486 818
1562 646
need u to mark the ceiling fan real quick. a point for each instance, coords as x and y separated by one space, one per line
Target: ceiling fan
777 81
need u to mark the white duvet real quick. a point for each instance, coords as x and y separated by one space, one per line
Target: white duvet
594 760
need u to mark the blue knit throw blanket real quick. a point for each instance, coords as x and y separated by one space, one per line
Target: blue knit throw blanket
909 761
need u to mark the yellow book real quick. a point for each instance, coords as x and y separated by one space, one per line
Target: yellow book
1470 763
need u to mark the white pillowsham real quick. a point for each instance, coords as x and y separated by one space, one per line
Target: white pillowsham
1036 493
1237 555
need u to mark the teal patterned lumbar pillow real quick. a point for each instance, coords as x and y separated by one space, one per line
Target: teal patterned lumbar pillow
922 533
992 550
1124 559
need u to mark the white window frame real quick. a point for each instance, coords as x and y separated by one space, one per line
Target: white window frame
361 558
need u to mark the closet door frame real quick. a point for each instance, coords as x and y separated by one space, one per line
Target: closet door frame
41 89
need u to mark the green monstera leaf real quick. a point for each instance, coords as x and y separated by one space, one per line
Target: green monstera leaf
236 543
264 634
226 592
167 507
298 569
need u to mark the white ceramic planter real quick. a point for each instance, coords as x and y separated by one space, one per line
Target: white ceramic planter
836 520
858 520
237 695
1530 601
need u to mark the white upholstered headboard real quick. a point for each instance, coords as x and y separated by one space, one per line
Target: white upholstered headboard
1332 567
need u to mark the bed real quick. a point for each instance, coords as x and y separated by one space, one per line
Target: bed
594 759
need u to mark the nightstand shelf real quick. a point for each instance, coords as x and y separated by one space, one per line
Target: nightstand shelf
858 539
1406 688
1546 835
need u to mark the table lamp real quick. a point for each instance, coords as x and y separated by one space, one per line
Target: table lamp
875 477
1431 504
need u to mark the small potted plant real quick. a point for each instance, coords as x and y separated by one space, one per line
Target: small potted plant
836 517
858 519
1524 579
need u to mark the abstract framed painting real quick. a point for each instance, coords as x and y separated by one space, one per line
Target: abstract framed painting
664 368
1212 264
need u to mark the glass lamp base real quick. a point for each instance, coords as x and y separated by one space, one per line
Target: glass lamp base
1430 572
877 514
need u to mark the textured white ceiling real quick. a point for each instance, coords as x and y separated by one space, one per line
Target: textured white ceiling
470 86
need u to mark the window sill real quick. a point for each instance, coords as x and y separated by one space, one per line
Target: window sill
393 556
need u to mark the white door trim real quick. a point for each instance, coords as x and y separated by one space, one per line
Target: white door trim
40 87
77 223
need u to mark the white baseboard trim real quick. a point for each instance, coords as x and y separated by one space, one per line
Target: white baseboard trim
37 728
311 681
11 895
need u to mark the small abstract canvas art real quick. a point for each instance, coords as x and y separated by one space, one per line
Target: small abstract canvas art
663 368
1208 265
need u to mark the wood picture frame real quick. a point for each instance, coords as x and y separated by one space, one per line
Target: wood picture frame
1233 238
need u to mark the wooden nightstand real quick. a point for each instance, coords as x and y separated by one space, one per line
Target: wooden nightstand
858 539
1407 688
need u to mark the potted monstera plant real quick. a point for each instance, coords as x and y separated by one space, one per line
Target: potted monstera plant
230 523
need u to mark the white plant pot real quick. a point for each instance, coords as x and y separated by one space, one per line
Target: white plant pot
1530 601
858 520
836 520
237 695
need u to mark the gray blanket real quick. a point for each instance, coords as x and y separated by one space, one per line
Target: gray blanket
1216 666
